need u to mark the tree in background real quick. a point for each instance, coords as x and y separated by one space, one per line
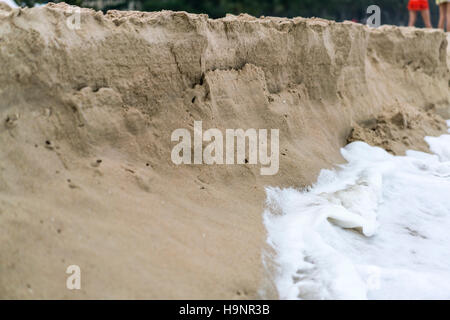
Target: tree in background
392 11
31 3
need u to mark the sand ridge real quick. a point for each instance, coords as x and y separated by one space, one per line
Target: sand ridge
85 171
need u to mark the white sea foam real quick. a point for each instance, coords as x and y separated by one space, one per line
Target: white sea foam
10 3
377 228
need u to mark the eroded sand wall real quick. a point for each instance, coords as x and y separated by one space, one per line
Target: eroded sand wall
115 89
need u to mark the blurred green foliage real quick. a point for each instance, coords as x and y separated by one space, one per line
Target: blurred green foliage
31 3
332 9
392 11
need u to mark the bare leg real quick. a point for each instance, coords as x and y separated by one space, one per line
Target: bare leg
426 18
447 16
442 13
412 18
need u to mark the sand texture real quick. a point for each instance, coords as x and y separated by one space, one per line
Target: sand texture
86 176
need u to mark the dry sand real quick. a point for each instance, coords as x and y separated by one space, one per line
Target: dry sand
114 90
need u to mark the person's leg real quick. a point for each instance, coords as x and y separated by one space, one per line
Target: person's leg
447 19
412 18
426 18
442 13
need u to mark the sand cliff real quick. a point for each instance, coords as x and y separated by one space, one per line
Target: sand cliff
86 175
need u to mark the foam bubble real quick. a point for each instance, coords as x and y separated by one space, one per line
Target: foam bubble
375 229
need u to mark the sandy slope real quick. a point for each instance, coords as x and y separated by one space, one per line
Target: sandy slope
114 90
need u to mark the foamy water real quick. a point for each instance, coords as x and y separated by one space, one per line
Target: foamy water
10 3
377 228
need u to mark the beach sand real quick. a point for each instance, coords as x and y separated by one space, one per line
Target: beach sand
86 176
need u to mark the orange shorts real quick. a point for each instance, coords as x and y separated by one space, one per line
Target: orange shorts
418 5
